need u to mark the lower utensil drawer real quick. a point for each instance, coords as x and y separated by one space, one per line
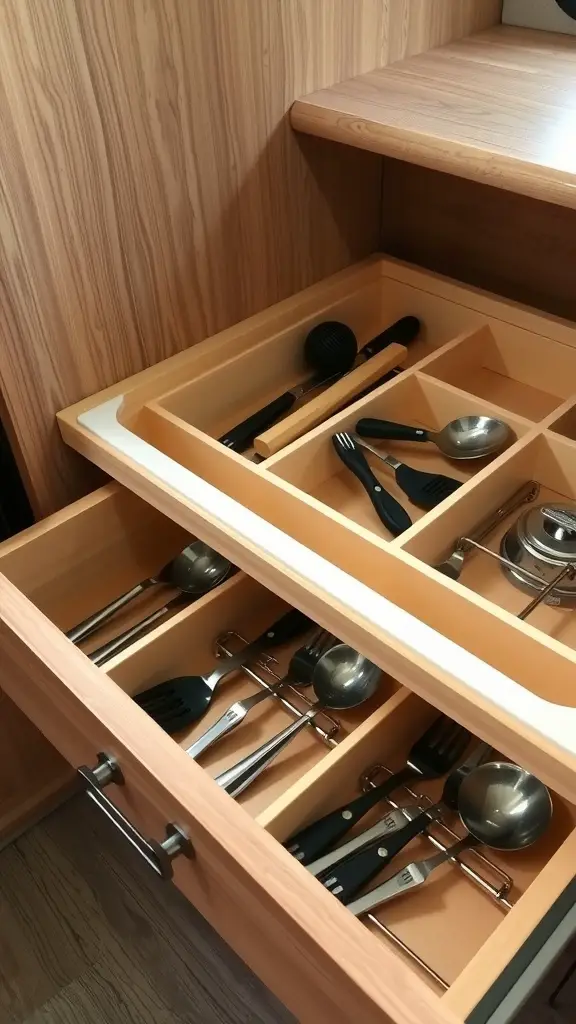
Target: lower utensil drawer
320 960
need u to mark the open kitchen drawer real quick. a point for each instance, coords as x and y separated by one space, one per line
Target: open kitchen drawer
309 949
298 524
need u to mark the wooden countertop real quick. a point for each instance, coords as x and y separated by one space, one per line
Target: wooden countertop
498 107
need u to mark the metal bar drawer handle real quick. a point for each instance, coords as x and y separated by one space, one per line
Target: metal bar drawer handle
158 855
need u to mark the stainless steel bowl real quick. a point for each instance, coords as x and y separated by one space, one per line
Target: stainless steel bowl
543 541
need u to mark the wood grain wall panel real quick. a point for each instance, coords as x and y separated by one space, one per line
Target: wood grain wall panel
506 243
151 191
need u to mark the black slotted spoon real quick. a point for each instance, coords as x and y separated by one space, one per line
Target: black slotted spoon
426 490
431 756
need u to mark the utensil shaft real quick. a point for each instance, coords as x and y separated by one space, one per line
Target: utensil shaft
236 779
526 493
569 570
393 463
129 636
93 622
412 876
229 721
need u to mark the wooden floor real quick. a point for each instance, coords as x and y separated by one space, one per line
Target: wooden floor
89 936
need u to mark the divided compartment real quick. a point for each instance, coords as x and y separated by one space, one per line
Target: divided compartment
78 560
450 922
312 465
551 462
188 646
225 395
526 373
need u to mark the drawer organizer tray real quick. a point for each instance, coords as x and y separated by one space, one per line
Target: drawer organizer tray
300 524
109 541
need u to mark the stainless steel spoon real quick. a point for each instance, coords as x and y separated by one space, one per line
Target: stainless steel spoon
501 805
468 437
342 679
196 570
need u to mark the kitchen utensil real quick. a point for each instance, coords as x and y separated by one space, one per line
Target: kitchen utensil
392 822
543 542
330 350
347 388
501 805
342 679
432 755
242 435
390 511
454 564
299 673
424 489
107 651
332 345
196 570
345 880
468 437
178 702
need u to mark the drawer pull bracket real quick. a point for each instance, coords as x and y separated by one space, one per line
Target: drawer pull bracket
159 855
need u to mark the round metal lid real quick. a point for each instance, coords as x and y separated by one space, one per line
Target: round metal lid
549 531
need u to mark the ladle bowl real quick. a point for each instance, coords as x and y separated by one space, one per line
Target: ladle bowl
503 806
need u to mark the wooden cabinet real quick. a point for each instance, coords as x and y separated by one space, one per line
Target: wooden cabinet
302 534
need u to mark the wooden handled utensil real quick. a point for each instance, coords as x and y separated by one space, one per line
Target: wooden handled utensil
329 401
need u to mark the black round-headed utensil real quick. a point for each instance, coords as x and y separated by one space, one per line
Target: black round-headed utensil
178 702
330 350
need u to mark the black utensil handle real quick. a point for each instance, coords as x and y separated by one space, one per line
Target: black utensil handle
288 627
317 838
403 332
242 435
347 878
389 431
390 511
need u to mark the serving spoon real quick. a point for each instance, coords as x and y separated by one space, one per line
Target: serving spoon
503 807
196 570
342 679
468 437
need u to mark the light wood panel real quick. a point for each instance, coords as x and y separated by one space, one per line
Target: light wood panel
33 775
497 107
151 191
507 243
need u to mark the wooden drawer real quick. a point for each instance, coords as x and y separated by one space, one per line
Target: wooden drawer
300 526
321 961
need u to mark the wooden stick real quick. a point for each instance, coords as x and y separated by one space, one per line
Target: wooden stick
332 399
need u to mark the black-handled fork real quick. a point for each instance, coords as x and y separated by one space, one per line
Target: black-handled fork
430 757
353 874
390 511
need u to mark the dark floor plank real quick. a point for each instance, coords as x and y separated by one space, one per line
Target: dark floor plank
88 934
